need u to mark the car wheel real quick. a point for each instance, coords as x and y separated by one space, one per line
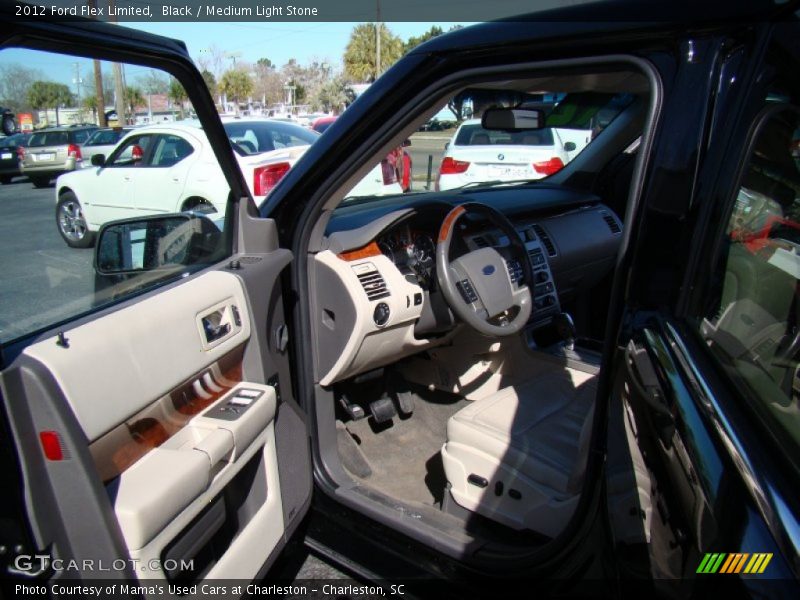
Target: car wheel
5 179
199 205
71 222
40 182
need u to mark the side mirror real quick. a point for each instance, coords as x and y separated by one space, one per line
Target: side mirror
406 143
98 160
512 119
570 146
446 145
156 242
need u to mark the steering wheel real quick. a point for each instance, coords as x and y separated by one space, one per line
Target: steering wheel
478 286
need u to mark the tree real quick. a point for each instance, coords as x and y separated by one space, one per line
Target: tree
268 83
48 94
177 95
236 84
211 81
332 96
133 99
154 82
415 41
360 55
15 81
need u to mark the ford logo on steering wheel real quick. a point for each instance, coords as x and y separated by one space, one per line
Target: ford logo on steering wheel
488 269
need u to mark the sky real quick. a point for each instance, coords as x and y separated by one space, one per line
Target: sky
277 41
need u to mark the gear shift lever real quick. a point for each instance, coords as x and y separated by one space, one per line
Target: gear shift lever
565 329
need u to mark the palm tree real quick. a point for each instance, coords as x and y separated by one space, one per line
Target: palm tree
177 95
47 94
360 56
236 84
133 99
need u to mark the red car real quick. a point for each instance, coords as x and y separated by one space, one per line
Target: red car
396 166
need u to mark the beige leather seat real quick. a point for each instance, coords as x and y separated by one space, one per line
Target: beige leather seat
528 444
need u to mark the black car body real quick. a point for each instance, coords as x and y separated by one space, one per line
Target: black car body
10 154
691 471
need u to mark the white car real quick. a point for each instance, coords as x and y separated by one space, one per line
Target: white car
171 168
477 155
102 141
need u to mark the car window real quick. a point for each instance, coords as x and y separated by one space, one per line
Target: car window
476 135
753 328
49 138
52 211
132 153
258 136
104 137
170 150
81 136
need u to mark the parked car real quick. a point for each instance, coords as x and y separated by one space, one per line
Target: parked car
475 155
53 151
10 151
579 386
391 176
102 141
171 168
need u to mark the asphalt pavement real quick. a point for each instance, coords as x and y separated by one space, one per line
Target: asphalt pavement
44 280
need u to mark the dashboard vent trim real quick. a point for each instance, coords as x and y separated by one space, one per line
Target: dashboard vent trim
612 223
545 239
374 285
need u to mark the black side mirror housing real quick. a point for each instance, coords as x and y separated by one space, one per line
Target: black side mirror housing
98 160
570 146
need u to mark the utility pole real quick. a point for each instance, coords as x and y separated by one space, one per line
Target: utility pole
100 98
378 41
78 81
119 86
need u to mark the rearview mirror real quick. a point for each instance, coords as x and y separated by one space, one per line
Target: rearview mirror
512 119
155 242
98 160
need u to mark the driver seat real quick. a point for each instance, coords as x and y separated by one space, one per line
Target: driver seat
518 456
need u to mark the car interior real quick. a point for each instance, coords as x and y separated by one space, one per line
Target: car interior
456 340
442 398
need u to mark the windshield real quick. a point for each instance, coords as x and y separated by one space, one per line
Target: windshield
475 135
256 137
105 137
49 138
460 152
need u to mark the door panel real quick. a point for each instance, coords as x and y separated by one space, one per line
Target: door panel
151 411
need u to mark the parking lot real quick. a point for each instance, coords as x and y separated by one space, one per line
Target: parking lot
43 278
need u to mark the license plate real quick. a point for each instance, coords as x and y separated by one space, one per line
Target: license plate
45 156
6 155
509 172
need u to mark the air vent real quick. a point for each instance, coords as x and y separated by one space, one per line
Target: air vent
480 241
374 285
546 241
612 223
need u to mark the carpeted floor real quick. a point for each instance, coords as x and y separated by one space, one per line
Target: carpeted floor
402 458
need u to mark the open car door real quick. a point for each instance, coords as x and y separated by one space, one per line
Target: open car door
149 427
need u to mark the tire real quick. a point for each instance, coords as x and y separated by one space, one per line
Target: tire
40 182
71 223
5 179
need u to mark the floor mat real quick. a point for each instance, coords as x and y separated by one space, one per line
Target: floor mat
404 455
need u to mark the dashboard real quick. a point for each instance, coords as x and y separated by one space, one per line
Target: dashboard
377 297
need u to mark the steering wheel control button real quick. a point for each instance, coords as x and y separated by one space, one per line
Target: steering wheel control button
541 276
249 393
239 401
417 299
467 291
381 314
477 480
